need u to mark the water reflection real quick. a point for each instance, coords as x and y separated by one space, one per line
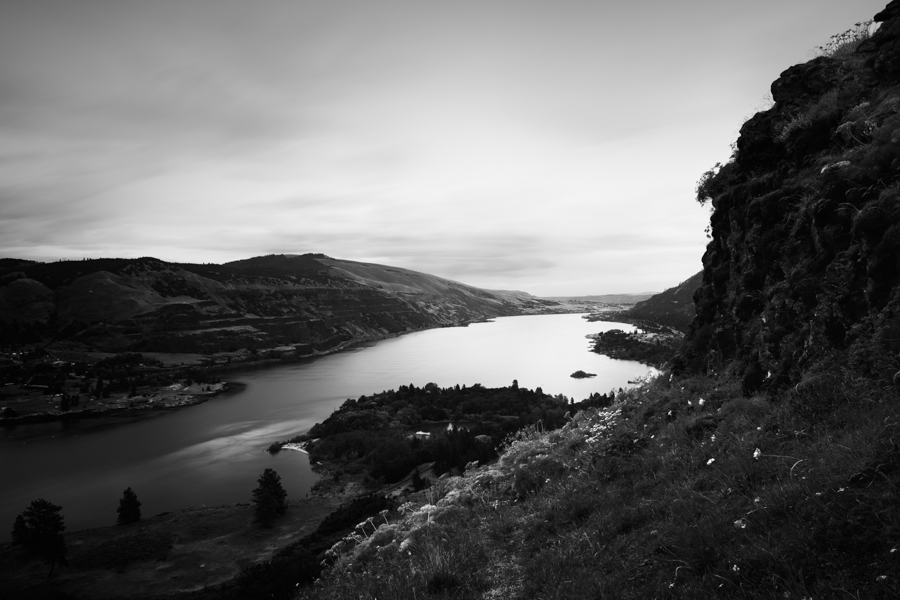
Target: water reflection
213 453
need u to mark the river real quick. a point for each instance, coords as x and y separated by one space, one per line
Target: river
213 453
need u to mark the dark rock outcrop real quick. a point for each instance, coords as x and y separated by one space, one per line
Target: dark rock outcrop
804 262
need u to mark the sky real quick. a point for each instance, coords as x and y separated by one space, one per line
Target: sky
551 147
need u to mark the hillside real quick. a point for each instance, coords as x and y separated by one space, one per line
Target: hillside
673 307
302 304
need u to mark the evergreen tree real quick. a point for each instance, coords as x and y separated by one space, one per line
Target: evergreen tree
39 531
269 497
129 508
20 532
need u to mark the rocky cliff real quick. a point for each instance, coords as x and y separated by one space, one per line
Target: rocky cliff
803 267
309 303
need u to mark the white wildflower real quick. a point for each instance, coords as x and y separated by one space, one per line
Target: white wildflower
736 568
710 461
701 402
757 453
740 524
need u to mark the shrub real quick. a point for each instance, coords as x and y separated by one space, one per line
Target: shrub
845 43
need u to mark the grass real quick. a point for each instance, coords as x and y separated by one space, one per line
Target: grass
842 45
682 489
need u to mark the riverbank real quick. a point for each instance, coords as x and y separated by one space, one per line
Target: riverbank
46 389
42 408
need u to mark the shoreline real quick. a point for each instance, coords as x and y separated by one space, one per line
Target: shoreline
208 362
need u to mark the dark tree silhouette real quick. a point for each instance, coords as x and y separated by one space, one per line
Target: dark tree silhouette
39 531
129 508
269 497
20 531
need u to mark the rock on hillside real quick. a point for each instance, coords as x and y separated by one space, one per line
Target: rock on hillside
673 307
804 261
310 303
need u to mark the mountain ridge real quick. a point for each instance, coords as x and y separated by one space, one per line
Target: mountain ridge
311 301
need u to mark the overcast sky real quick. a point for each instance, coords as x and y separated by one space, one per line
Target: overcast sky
551 147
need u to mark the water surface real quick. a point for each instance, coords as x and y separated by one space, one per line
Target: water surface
213 453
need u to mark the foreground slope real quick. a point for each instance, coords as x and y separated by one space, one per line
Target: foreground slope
310 303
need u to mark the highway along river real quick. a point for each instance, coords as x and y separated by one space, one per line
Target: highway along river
213 453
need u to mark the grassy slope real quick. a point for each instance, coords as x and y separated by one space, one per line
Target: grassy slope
662 495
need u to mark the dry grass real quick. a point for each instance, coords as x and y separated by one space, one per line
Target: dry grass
683 490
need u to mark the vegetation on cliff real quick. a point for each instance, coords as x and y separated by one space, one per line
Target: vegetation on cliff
802 264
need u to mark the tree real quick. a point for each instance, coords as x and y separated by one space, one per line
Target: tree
39 531
129 508
269 497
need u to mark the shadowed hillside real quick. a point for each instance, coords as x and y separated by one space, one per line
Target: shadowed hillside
308 303
674 307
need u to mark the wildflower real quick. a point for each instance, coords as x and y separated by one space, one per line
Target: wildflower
701 402
740 524
881 578
712 439
756 454
710 461
757 500
736 568
840 489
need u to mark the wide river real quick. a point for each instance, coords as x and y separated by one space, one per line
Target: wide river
213 453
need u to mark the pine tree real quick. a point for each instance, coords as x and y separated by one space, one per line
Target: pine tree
39 531
269 497
20 532
129 508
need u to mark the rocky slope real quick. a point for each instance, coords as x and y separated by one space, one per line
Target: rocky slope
301 304
804 263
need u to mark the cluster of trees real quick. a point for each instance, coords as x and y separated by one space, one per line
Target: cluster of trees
377 433
38 530
618 344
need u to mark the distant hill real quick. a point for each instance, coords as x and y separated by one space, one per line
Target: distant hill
308 303
605 298
673 307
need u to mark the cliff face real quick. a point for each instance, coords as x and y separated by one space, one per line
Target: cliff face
309 302
804 262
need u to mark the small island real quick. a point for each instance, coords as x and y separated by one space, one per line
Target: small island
579 374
